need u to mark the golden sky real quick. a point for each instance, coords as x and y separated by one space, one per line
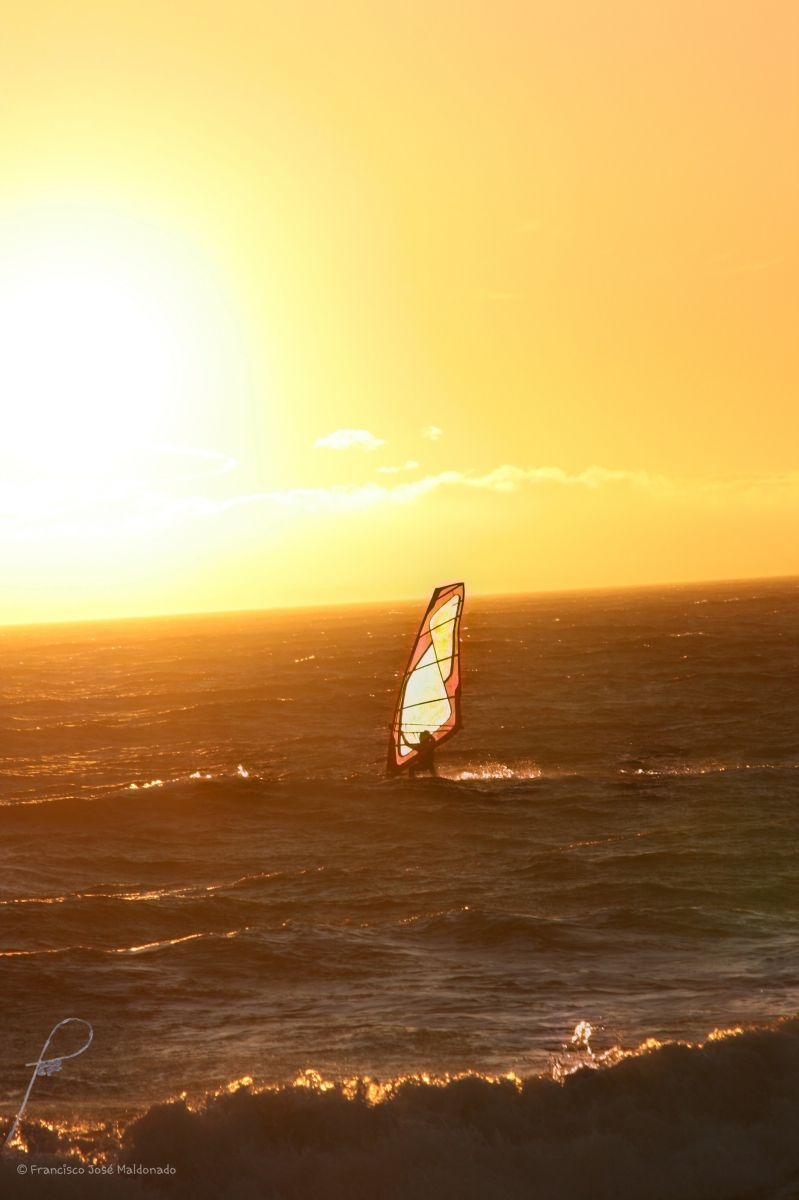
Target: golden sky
319 300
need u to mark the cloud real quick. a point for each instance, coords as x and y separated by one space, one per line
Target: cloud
509 479
132 507
346 439
432 433
144 486
504 479
410 465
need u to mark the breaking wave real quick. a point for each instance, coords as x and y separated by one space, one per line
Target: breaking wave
672 1121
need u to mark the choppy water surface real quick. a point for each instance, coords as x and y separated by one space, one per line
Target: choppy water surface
201 856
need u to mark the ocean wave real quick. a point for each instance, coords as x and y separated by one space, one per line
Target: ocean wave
181 891
278 780
144 947
668 1121
486 929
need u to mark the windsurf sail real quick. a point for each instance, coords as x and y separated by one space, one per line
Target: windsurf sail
430 694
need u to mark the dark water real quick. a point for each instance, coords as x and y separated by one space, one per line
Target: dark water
613 841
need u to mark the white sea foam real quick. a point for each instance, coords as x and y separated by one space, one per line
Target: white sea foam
495 771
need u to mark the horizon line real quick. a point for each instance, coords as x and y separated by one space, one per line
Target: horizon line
411 597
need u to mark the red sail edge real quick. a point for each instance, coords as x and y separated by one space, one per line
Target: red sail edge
430 714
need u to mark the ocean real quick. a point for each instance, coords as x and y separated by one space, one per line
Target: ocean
568 967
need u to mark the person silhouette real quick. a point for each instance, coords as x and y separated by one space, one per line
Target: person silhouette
425 752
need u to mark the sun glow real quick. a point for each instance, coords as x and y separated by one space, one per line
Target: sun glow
253 261
110 347
92 365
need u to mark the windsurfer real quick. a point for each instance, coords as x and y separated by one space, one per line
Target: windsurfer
425 752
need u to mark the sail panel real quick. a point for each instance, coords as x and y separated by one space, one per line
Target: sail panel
425 682
429 698
444 643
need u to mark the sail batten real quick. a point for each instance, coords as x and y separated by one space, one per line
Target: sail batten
429 699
